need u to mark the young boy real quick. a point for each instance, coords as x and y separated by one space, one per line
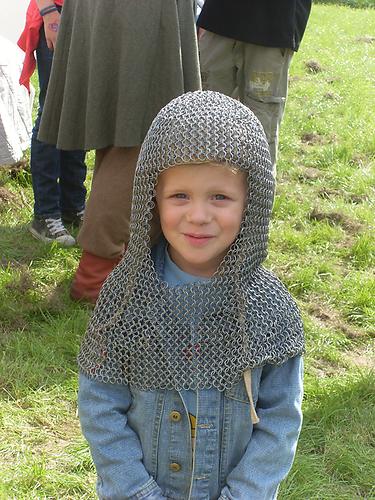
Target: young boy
191 370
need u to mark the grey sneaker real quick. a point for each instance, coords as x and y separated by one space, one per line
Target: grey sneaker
49 230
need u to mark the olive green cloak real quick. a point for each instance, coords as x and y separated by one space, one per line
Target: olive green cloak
116 64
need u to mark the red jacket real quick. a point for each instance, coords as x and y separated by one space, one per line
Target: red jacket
29 41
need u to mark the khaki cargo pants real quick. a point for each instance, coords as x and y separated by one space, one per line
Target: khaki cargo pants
256 75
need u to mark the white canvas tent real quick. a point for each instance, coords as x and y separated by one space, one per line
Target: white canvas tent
12 18
15 105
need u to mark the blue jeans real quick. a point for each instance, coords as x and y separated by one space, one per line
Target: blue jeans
58 176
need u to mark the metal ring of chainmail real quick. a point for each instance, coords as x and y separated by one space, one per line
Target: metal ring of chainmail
199 335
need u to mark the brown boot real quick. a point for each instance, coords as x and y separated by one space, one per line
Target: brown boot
90 275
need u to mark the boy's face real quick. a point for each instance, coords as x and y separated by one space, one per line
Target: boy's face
201 208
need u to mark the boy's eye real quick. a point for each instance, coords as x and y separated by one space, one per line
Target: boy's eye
219 197
180 196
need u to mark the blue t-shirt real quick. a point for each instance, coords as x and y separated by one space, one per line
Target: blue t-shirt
175 276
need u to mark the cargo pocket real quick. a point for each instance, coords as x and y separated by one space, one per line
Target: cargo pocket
265 88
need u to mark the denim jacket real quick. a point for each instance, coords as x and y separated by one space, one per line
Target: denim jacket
141 441
141 444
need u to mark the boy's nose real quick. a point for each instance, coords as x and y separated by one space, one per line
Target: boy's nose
198 213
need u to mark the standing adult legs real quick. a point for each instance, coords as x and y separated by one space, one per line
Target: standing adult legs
105 230
263 86
218 65
72 187
57 176
256 75
45 158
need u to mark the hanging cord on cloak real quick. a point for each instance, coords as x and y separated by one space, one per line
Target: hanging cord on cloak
247 380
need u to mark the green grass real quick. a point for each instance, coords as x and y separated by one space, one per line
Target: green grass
337 441
358 4
322 246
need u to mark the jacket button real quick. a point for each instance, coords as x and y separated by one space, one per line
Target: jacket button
175 416
174 467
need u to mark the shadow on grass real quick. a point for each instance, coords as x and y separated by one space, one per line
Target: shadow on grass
40 327
40 335
18 246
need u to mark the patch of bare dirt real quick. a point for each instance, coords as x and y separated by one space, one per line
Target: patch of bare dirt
361 358
357 198
313 66
336 218
22 283
7 328
323 368
6 196
54 298
346 243
312 138
365 39
360 161
328 193
332 96
55 441
4 262
14 264
329 317
16 168
310 174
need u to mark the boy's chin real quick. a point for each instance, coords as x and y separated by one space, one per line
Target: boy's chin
198 266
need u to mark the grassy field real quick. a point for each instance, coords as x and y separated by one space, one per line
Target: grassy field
357 4
321 246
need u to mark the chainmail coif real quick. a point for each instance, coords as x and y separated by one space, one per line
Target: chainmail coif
199 335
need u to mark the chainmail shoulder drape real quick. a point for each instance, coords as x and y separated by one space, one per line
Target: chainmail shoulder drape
199 335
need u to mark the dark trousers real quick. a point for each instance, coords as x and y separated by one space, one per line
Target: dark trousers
58 176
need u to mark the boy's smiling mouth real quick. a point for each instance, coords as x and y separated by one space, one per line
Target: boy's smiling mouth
198 239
